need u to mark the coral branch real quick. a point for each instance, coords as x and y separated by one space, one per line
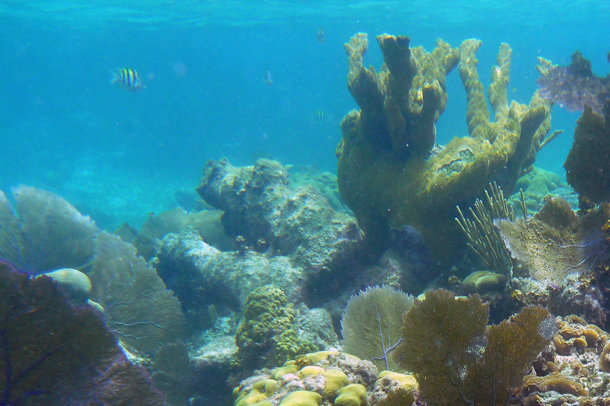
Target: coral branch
388 172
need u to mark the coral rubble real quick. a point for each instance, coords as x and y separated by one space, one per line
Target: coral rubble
389 172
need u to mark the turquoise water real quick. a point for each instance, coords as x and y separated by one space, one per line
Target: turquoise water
119 155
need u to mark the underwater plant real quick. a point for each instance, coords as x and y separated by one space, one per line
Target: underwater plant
483 236
44 232
557 242
371 325
458 360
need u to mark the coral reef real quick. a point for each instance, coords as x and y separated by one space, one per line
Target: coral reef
259 205
588 163
267 335
575 86
445 346
202 275
371 324
328 378
53 353
207 223
572 370
389 173
324 182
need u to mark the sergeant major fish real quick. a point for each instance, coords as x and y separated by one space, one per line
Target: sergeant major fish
128 78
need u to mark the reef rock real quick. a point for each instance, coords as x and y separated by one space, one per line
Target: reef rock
259 205
201 275
389 172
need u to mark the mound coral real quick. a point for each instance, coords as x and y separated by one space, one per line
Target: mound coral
389 172
328 378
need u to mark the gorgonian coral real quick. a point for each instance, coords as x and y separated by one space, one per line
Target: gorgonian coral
457 360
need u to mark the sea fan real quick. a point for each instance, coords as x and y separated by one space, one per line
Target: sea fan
371 323
44 233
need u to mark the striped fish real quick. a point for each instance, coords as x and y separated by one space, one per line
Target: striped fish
128 78
320 116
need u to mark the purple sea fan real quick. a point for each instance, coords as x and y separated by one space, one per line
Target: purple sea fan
574 86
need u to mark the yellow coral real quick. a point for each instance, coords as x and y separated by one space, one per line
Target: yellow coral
351 395
554 382
400 388
302 398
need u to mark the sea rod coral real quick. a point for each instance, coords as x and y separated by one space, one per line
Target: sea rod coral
390 173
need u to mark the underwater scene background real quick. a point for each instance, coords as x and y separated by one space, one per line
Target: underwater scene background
118 155
216 202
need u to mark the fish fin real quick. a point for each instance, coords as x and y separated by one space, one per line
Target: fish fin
115 76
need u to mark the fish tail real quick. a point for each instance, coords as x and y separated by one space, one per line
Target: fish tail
115 76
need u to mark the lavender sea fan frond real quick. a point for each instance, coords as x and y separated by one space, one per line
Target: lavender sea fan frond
574 86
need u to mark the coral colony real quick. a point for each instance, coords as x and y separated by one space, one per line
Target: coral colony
420 274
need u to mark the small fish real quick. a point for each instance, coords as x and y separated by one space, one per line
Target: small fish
320 116
268 78
128 78
321 35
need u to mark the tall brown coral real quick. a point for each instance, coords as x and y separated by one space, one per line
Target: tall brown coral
588 163
390 174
